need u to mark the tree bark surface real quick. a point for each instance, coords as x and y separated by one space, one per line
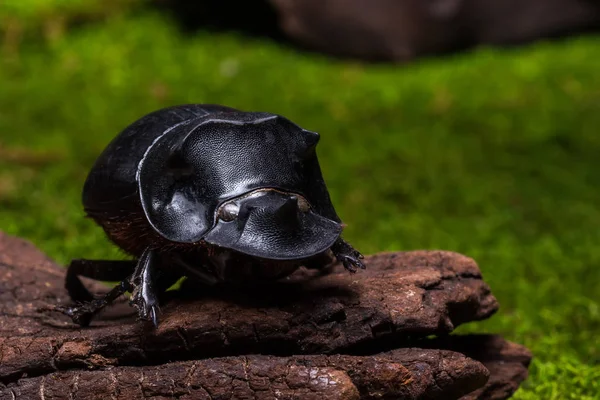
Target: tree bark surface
327 336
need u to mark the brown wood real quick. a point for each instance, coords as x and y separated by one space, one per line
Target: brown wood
209 338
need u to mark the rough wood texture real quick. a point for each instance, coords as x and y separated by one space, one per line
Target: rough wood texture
402 374
400 298
507 362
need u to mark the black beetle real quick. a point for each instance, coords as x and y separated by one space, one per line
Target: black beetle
208 192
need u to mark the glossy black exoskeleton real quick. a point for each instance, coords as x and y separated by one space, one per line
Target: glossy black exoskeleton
207 192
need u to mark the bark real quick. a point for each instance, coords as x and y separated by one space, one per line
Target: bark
507 362
405 374
331 336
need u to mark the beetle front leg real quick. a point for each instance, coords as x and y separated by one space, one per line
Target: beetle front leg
347 255
83 313
104 270
144 283
141 283
100 270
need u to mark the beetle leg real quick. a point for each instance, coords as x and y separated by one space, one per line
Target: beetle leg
347 255
140 283
100 270
107 270
139 277
83 313
148 281
144 281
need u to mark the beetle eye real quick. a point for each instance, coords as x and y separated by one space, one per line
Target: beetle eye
229 212
303 204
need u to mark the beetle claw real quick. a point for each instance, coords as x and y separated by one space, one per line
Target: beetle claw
154 316
147 306
81 315
78 315
348 256
353 264
146 302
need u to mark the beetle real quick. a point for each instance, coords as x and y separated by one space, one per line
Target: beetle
208 192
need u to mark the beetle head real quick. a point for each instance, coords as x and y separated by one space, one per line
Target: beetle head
250 182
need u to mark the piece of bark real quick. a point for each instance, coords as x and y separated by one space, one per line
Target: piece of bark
398 374
399 296
507 362
410 373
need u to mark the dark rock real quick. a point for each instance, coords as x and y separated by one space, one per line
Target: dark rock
395 30
502 22
400 298
401 30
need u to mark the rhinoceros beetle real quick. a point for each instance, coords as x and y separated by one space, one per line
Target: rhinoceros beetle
207 192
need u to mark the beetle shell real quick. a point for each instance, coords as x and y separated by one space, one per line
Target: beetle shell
213 175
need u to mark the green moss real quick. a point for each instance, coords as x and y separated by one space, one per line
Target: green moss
49 19
491 153
563 379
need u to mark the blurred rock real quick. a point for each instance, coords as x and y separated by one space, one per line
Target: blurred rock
500 22
401 30
396 30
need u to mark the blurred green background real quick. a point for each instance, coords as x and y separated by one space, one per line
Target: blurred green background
492 153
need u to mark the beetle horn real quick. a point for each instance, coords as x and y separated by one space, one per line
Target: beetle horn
289 210
285 214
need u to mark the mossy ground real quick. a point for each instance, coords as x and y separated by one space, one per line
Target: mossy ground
493 153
